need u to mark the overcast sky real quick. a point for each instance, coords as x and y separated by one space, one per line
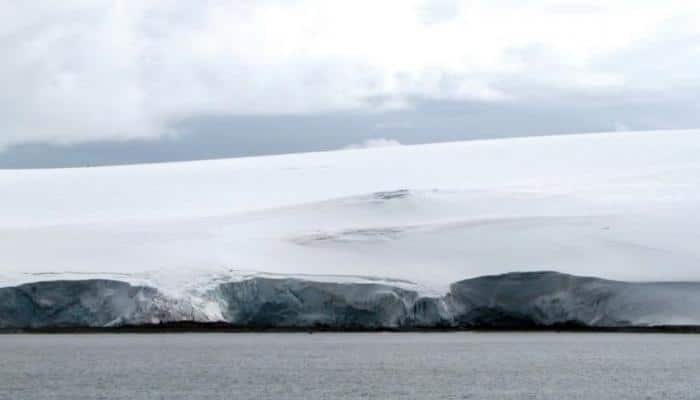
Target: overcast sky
103 81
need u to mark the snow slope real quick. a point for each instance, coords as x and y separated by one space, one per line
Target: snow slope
614 205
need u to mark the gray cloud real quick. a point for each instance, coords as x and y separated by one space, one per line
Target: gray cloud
207 137
97 82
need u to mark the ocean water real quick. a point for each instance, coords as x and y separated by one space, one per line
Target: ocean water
350 366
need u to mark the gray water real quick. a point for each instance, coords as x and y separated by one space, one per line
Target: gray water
350 366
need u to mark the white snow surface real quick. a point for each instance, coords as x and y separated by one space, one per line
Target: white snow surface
620 206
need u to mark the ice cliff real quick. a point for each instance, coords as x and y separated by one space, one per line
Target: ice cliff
530 299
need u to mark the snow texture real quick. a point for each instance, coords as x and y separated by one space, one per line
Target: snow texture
411 220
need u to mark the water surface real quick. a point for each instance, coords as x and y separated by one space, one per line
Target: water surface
350 366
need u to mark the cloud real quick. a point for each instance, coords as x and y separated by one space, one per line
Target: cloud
371 143
621 127
76 70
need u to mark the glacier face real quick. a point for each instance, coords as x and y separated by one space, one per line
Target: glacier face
547 298
88 303
292 302
529 299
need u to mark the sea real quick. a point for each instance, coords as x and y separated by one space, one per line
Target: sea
451 365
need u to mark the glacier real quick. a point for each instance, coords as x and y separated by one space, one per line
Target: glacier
514 300
404 236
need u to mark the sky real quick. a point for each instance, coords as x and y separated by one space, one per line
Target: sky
95 82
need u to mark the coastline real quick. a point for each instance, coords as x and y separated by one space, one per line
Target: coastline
220 327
